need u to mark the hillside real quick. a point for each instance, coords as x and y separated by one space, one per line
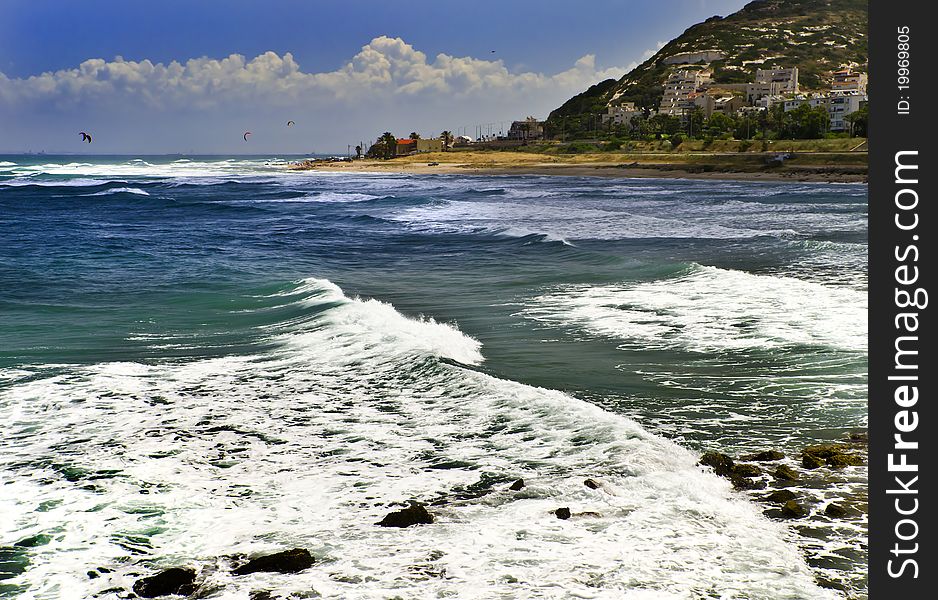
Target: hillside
817 36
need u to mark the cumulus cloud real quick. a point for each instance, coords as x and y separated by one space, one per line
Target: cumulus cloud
386 75
385 65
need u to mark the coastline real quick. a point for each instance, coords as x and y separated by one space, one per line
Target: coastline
718 167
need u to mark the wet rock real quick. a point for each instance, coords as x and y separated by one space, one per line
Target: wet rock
786 473
562 513
93 575
838 461
746 483
833 455
780 496
415 514
836 511
721 463
809 461
517 485
793 510
179 581
741 470
591 484
764 456
260 595
587 515
288 561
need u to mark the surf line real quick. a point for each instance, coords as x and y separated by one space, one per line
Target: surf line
909 298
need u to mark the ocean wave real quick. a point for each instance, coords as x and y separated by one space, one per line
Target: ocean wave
311 442
711 309
119 190
574 221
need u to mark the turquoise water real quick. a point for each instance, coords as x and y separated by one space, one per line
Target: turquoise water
209 355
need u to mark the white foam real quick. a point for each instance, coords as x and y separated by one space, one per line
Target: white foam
708 309
348 411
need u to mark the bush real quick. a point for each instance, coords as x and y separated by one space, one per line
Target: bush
676 140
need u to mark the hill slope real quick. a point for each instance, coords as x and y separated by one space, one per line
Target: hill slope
817 36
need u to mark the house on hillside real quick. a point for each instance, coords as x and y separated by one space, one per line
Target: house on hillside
772 82
680 90
621 114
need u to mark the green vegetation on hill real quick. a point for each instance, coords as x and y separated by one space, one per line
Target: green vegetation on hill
817 36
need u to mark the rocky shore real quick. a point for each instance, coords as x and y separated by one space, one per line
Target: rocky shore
795 489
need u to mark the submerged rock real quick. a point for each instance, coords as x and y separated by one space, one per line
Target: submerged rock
793 510
721 463
591 484
517 485
764 456
562 513
179 581
288 561
746 483
415 514
786 473
780 496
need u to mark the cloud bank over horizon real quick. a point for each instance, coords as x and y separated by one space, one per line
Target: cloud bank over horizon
204 104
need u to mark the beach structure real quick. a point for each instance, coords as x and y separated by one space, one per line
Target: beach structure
528 129
407 146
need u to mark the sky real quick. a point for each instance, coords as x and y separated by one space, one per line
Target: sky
191 77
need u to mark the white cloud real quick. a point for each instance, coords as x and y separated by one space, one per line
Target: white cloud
385 65
387 76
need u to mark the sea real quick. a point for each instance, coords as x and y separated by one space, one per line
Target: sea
209 358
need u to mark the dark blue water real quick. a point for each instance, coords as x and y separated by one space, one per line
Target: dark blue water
176 292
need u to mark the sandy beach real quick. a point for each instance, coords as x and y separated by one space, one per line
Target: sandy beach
721 166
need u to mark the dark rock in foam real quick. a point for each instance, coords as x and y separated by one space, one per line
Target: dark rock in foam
415 514
179 581
517 485
288 561
562 513
721 463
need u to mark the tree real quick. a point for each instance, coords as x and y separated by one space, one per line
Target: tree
718 124
414 135
664 124
447 137
358 151
388 144
858 121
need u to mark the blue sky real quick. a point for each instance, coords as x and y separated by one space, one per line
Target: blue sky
344 71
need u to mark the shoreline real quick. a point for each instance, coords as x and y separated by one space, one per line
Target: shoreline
671 170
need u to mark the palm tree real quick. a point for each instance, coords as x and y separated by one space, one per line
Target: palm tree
447 137
414 135
389 142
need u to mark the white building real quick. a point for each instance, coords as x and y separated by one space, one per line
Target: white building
848 82
773 82
680 89
838 106
621 114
